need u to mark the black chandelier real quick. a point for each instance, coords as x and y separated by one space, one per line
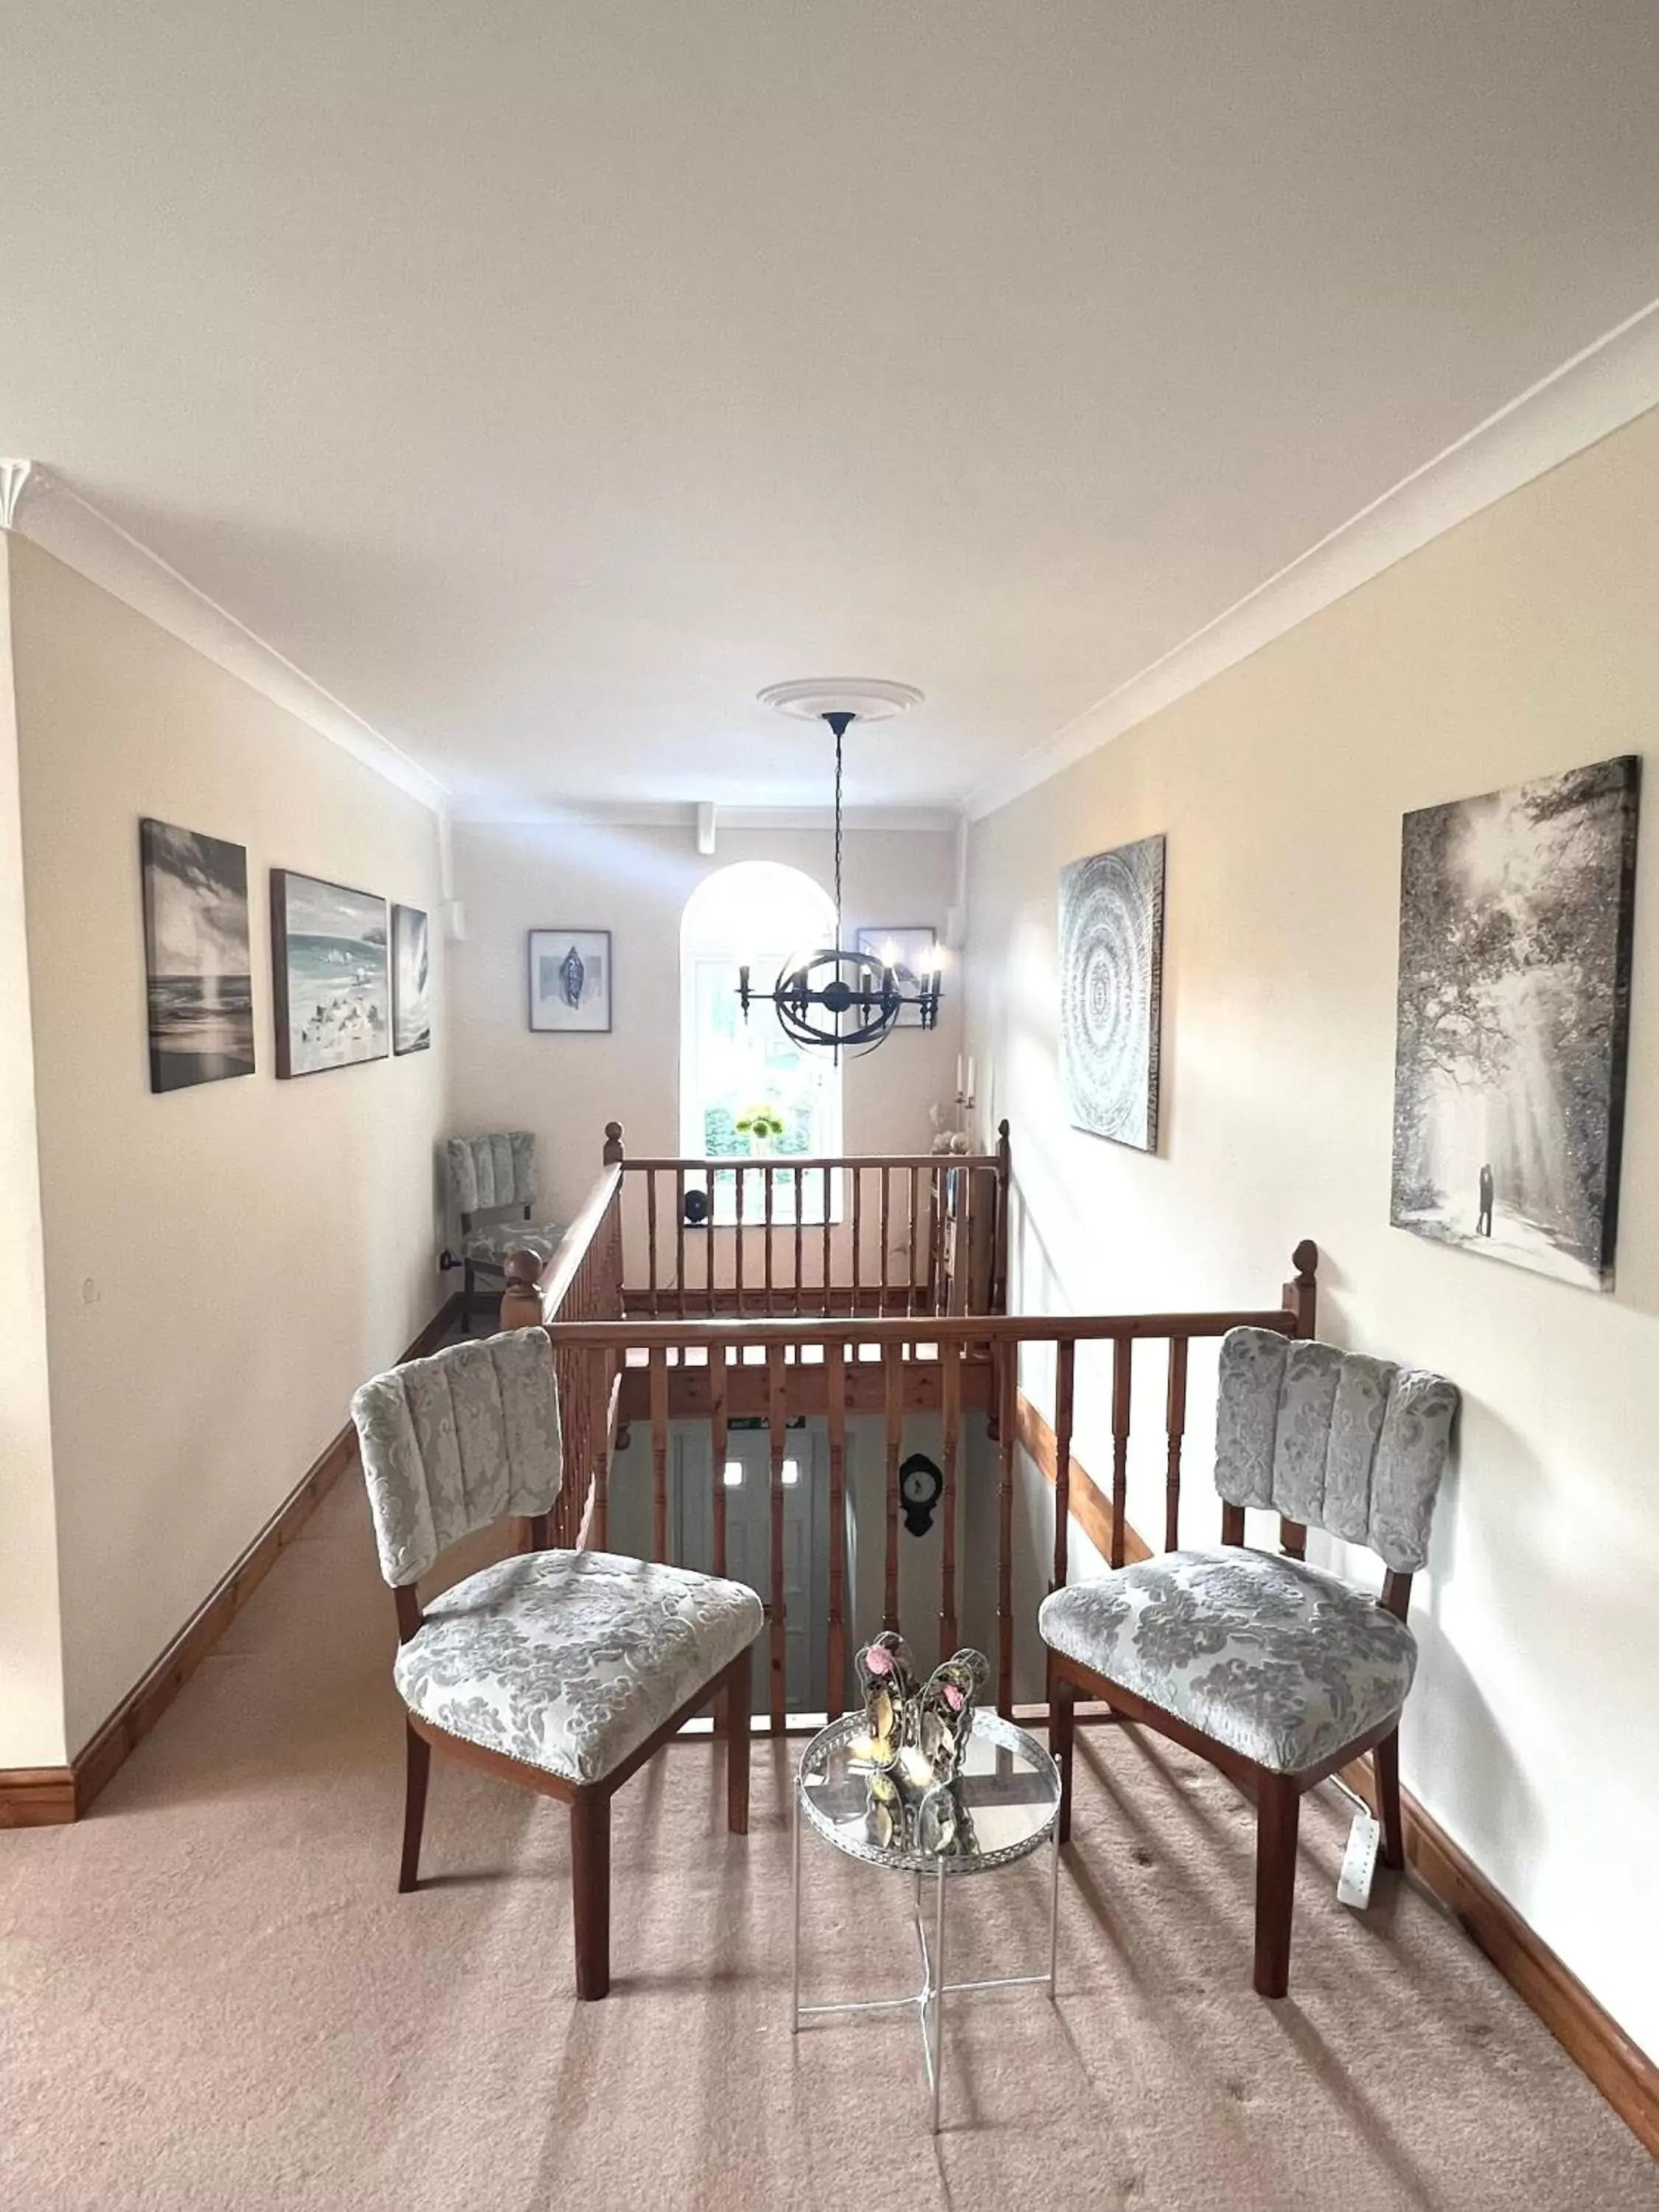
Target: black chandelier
832 997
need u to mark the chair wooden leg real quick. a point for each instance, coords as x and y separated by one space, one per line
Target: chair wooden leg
1062 1731
419 1765
1278 1806
590 1889
732 1712
1385 1769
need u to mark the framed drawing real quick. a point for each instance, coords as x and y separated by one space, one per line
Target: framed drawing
1111 959
412 995
1516 919
328 955
910 951
570 981
196 956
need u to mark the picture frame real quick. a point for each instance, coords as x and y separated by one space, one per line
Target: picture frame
197 965
570 977
412 980
902 946
1111 972
330 974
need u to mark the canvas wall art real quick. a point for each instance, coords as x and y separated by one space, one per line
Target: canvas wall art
328 949
411 992
570 981
196 955
1111 954
909 950
1516 914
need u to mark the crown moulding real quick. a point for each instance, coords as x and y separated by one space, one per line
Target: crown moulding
1598 392
40 506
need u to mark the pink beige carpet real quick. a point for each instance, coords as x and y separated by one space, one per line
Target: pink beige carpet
210 1995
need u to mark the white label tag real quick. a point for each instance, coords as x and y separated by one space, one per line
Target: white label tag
1353 1884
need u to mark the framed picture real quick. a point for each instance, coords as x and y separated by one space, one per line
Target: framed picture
1516 919
570 981
328 955
412 995
196 956
907 949
1111 966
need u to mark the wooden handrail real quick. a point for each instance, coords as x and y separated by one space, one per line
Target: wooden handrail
553 1284
731 1162
922 1328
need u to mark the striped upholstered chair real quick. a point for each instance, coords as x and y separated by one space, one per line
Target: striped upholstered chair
1278 1673
492 1188
562 1671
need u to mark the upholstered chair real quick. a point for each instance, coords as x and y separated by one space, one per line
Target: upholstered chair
562 1671
1276 1672
492 1188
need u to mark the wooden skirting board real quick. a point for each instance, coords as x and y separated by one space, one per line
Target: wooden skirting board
32 1797
1625 2074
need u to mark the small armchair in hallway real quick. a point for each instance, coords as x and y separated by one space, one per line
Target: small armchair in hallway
492 1188
1276 1672
562 1671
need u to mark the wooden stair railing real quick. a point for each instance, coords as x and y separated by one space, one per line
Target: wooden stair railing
619 1360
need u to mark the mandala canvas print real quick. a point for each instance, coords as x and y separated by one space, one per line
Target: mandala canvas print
1111 953
1516 915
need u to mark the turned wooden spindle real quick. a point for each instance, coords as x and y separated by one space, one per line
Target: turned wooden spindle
521 1301
614 1154
1301 1293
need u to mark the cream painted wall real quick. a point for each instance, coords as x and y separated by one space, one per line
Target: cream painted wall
634 883
1522 643
31 1650
223 1265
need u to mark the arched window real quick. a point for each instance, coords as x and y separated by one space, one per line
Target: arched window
756 913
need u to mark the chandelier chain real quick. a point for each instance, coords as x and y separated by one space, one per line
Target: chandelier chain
839 737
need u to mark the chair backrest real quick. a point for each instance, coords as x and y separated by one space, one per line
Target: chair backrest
452 1442
488 1172
1333 1440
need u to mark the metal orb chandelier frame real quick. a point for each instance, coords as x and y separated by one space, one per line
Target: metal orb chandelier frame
832 997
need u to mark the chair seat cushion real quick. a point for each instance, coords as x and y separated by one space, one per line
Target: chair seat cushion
1270 1657
570 1660
492 1240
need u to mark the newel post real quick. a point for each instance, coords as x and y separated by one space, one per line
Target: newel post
614 1154
999 1299
1302 1293
521 1301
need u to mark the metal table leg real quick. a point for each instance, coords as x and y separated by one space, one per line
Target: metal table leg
937 2070
794 1947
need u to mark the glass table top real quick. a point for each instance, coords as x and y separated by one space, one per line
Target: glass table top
1002 1805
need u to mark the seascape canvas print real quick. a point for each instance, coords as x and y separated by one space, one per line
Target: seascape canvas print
195 954
328 949
570 981
1516 914
1111 953
412 995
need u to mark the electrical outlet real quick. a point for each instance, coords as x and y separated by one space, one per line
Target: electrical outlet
1353 1884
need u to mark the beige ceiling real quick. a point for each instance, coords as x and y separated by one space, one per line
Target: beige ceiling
544 379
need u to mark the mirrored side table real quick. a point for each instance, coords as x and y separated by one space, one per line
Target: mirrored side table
1003 1806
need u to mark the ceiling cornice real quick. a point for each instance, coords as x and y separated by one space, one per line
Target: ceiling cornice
39 506
1597 392
674 814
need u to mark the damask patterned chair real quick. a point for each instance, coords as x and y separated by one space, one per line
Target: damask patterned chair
492 1188
562 1671
1276 1672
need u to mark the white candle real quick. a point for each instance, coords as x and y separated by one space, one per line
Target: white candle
960 1092
970 1077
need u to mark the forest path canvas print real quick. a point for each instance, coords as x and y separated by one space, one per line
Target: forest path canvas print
195 951
1111 956
1515 945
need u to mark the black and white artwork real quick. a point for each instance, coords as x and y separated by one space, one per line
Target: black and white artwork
196 953
328 950
911 950
411 994
1111 952
570 981
1516 915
